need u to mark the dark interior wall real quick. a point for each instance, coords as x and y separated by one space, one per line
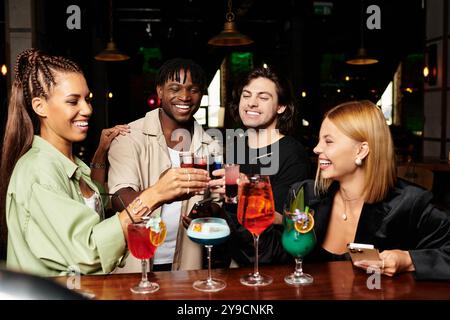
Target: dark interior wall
53 36
183 30
3 79
289 34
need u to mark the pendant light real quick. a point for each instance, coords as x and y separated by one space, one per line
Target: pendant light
111 53
361 57
230 36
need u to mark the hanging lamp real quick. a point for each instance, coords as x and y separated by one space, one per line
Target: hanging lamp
111 53
230 36
361 57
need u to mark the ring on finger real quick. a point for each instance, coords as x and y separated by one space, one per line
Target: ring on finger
135 210
189 177
187 192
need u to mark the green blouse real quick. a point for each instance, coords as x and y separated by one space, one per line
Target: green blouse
51 231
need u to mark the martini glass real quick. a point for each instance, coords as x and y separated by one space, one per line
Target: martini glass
209 232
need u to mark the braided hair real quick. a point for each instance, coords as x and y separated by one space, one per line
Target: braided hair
170 70
35 74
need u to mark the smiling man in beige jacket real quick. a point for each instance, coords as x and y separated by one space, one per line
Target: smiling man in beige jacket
138 159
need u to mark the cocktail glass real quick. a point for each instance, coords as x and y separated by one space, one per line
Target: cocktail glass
142 243
209 232
256 214
298 240
141 248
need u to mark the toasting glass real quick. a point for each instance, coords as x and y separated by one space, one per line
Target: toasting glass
186 159
231 184
201 162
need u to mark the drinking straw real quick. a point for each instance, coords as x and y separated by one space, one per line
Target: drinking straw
121 201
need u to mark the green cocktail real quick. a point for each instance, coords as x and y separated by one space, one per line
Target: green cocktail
298 239
295 243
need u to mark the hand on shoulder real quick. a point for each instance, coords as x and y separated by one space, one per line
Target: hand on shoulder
108 135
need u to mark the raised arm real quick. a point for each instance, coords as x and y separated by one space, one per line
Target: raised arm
98 163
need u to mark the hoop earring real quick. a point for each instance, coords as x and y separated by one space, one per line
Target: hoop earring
358 161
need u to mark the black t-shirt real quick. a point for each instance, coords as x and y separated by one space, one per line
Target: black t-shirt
285 161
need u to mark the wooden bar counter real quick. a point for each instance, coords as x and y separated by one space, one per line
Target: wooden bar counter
332 281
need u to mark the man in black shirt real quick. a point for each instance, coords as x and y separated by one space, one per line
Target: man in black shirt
264 104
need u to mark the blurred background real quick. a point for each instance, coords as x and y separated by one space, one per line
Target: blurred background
311 42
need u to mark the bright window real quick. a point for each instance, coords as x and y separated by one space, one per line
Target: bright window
386 103
211 101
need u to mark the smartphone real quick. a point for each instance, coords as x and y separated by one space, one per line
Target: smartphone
360 251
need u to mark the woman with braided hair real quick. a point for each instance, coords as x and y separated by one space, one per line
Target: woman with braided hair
50 199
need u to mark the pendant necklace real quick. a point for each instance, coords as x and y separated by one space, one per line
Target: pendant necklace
344 214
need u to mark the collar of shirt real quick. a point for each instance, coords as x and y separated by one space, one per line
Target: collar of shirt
71 168
152 126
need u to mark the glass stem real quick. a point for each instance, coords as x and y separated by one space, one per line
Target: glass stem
144 270
209 280
256 242
298 267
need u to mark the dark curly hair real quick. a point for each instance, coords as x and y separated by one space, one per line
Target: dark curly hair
285 121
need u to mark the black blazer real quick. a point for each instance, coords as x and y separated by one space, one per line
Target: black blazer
405 220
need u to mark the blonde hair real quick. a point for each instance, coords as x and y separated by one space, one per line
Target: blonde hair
364 121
